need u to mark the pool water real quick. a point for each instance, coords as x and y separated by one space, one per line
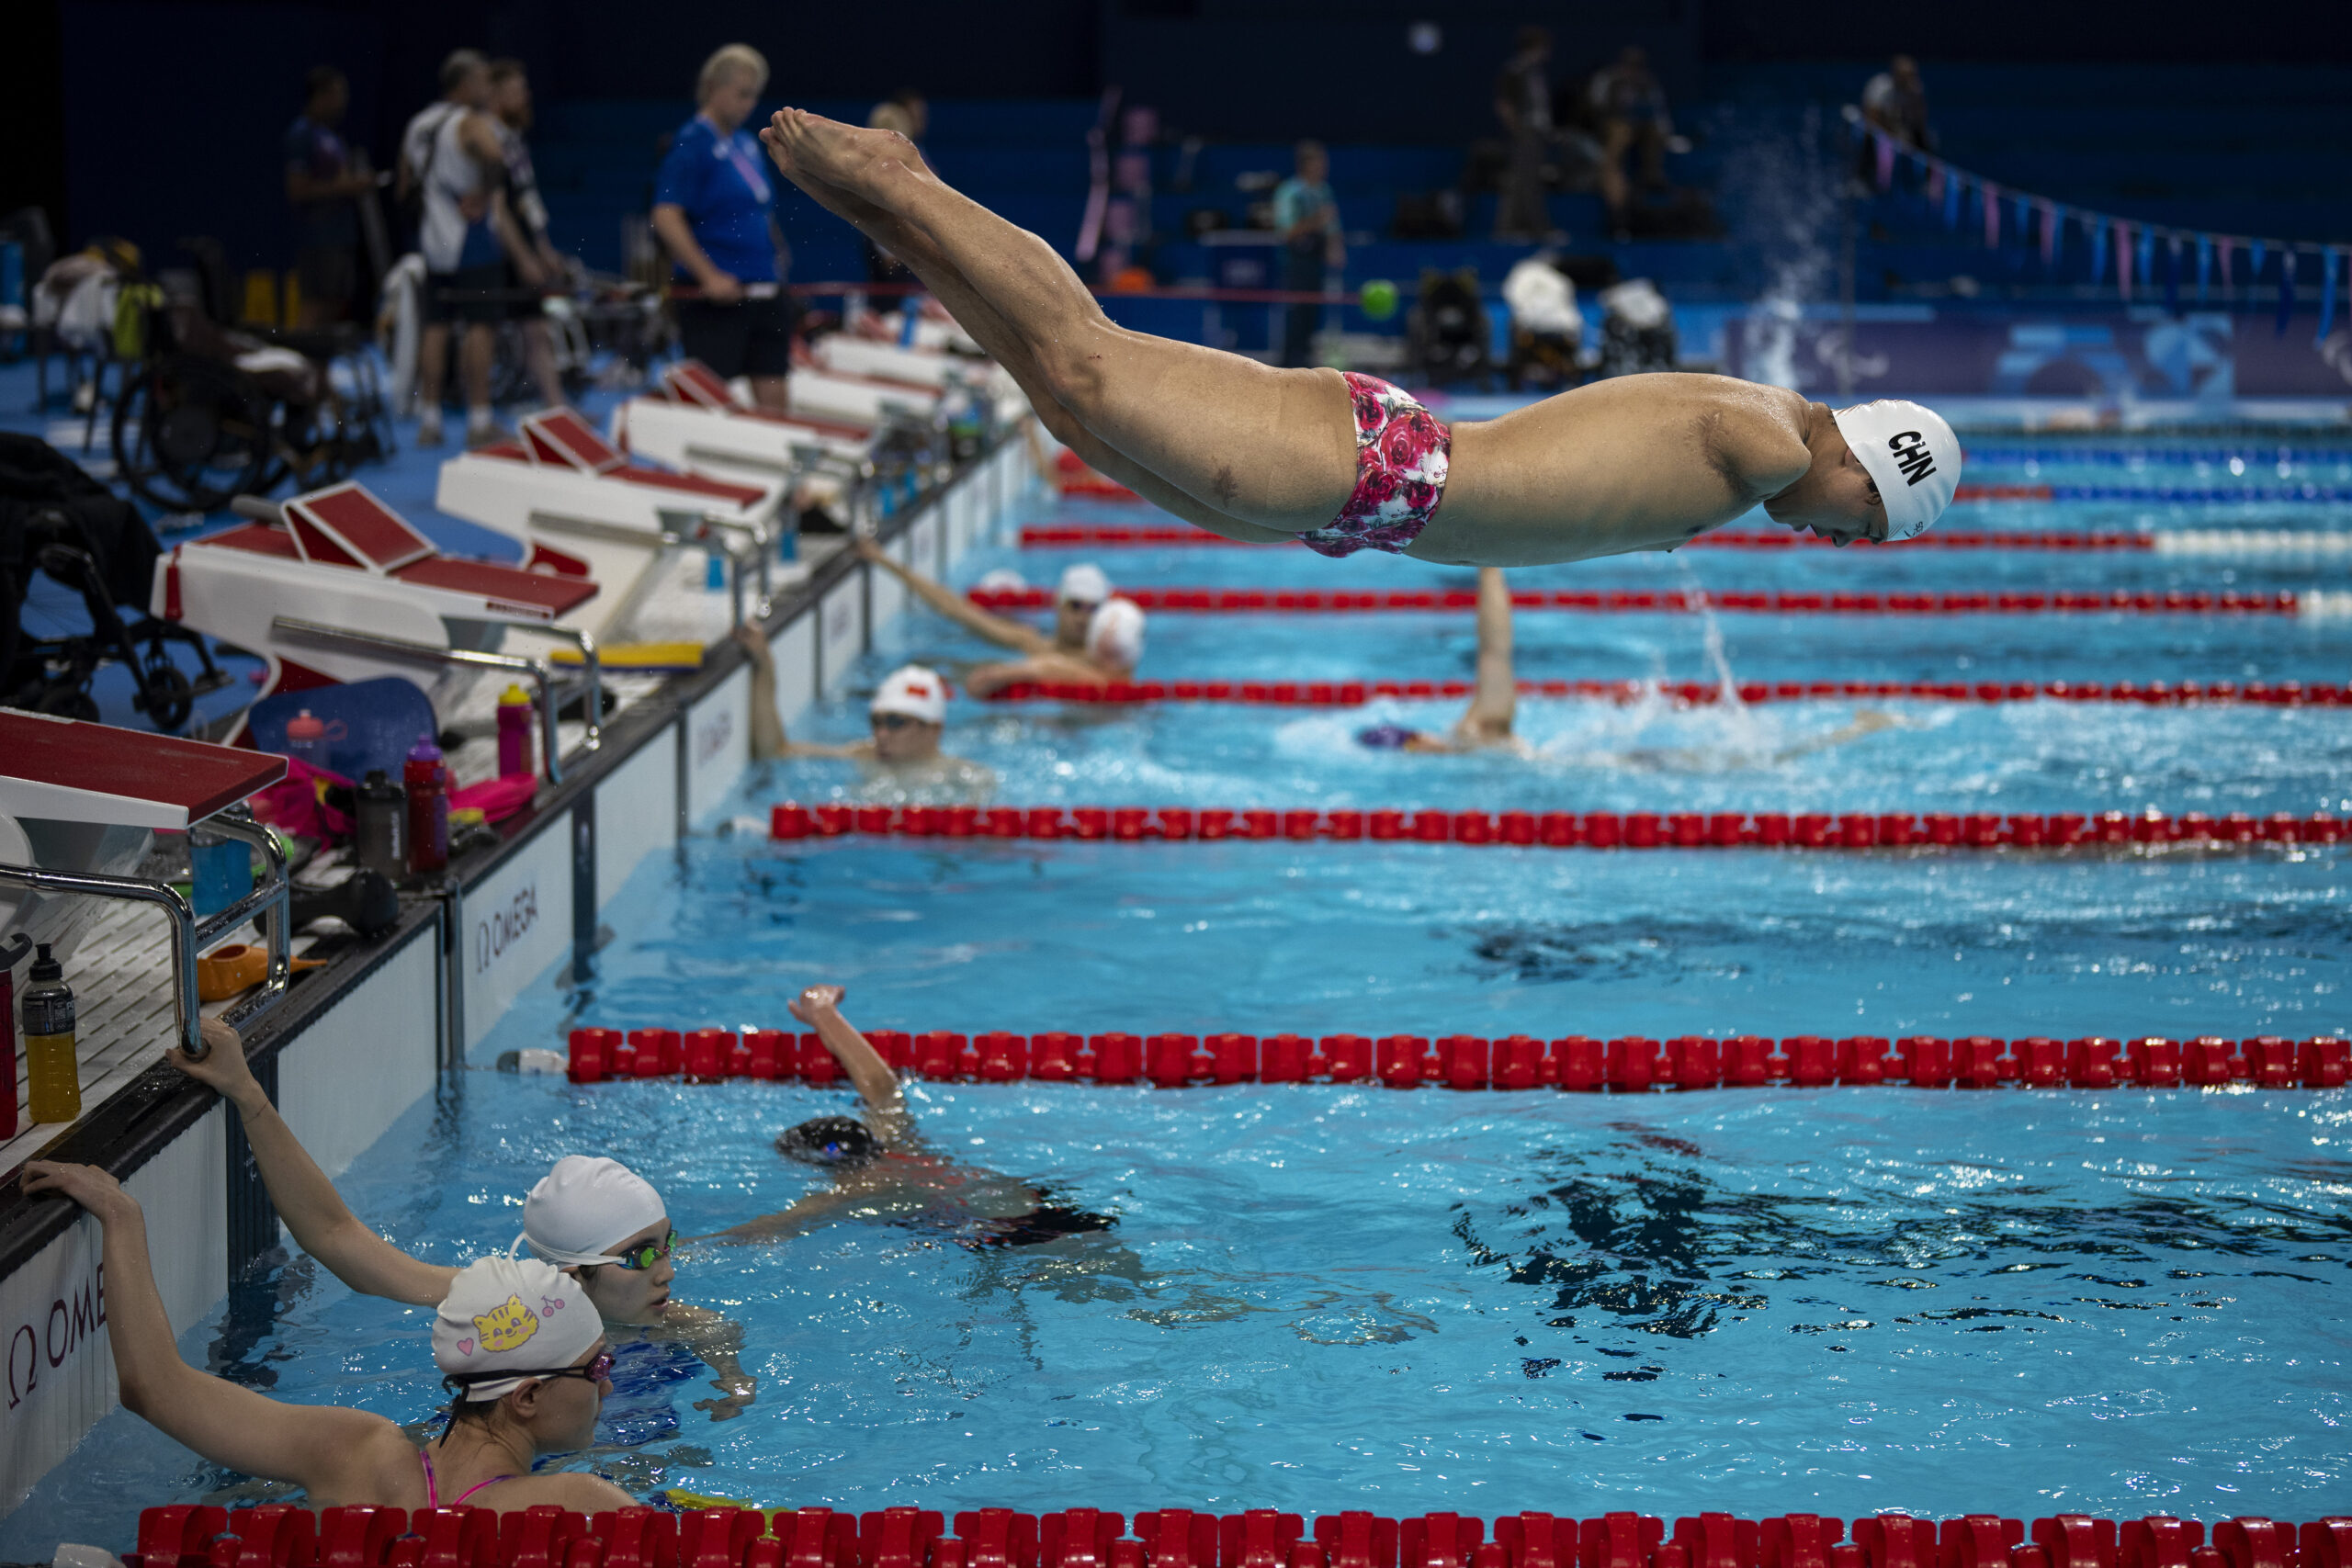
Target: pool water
1324 1297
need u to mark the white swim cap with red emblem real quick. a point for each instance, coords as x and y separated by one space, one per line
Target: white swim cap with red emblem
913 691
1913 456
1114 634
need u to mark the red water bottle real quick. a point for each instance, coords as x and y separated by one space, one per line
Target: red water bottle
428 806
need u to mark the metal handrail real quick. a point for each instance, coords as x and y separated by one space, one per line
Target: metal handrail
593 698
273 898
540 672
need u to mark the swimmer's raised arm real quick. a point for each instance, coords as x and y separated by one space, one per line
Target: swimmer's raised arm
819 1007
769 742
1002 630
332 1453
323 1224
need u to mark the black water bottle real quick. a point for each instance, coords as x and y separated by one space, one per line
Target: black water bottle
383 825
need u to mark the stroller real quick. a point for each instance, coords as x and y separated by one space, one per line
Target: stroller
56 520
211 411
1446 331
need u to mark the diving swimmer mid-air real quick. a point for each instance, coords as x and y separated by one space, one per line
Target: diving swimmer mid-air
1344 462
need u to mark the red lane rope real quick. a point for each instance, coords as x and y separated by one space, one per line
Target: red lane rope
1226 601
1687 693
1463 1061
711 1534
1560 830
1038 535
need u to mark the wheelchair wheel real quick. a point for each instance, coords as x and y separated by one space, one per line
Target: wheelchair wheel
190 435
166 694
65 700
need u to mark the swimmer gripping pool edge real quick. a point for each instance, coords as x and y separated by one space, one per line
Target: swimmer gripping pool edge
1634 463
633 1300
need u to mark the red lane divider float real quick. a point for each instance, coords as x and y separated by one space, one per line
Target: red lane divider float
1039 536
1576 1062
1689 693
1335 601
286 1536
1562 829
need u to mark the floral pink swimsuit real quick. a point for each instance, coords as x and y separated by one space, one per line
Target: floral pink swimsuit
1402 452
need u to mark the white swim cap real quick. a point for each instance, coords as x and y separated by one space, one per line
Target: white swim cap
914 691
511 1315
1912 454
1083 584
585 1205
1114 634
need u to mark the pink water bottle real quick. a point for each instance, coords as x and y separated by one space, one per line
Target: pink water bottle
515 718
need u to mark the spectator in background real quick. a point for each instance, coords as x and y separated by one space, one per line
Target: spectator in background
1895 101
468 238
1629 105
1314 246
714 210
465 84
1523 103
322 183
510 105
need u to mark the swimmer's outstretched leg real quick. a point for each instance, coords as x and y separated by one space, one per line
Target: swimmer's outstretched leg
1004 346
1275 448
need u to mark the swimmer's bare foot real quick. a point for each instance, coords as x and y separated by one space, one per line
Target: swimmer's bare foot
847 156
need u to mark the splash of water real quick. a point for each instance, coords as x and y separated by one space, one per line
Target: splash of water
1785 216
1746 729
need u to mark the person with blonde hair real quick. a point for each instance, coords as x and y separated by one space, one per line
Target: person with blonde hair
714 208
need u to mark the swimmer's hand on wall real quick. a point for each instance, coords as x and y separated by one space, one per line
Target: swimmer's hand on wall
93 1189
223 1067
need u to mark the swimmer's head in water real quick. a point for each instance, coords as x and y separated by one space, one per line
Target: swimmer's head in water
908 714
1081 593
1881 470
1387 736
833 1143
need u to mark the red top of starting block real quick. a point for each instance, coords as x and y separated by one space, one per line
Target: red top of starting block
71 770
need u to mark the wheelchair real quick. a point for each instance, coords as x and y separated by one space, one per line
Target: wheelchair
210 410
57 521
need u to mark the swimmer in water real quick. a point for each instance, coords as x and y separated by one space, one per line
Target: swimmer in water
1485 723
881 1170
522 1349
1344 462
1098 636
909 714
595 1219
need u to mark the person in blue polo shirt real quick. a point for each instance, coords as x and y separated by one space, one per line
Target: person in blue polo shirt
714 209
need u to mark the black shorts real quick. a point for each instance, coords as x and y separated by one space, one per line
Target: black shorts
471 294
328 275
753 337
525 303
